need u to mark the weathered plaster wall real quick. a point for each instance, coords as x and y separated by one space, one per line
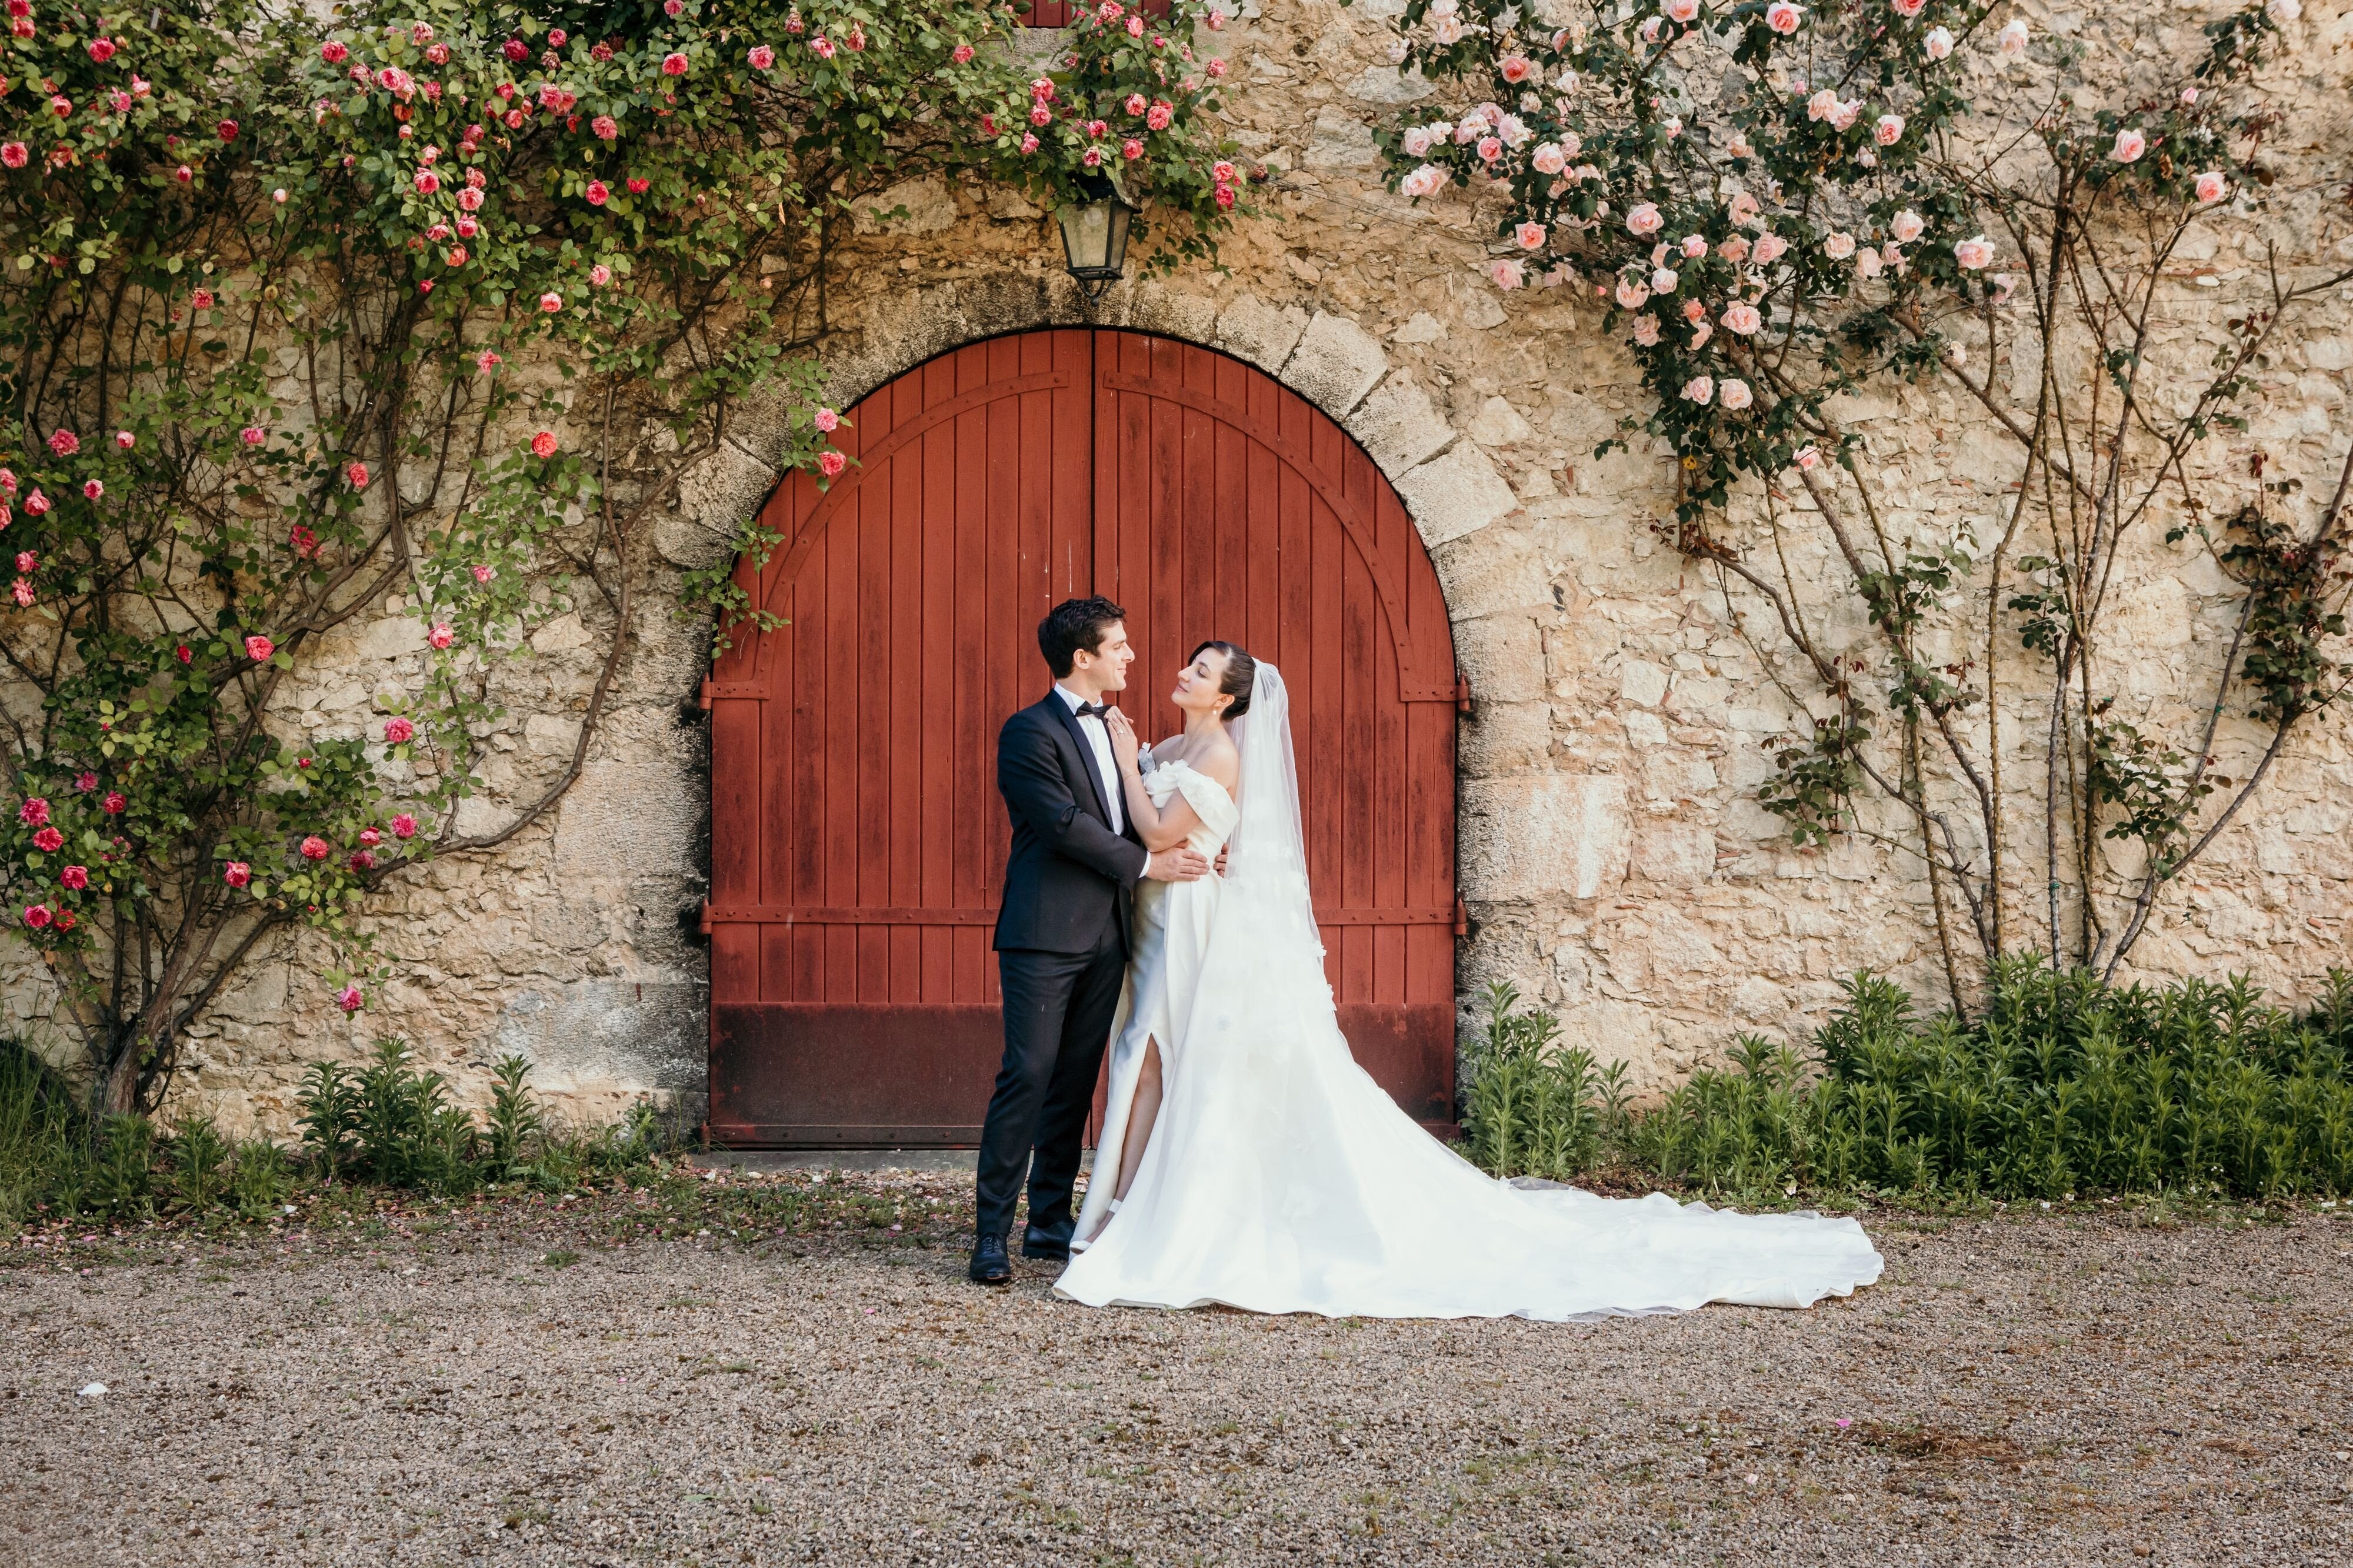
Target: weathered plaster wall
1615 860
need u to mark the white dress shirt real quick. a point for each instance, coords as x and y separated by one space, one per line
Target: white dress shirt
1099 737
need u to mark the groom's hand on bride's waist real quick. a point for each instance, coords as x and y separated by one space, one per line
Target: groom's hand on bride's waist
1176 865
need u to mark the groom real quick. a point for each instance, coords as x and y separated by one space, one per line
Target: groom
1062 932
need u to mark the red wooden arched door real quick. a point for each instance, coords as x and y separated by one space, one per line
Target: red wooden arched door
857 839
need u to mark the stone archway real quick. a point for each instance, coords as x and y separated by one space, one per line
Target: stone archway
855 836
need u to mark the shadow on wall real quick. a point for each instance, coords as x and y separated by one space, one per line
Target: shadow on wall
596 1045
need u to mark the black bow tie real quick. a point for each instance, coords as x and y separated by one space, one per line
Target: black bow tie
1092 710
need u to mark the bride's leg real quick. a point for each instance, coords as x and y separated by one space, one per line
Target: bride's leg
1144 1110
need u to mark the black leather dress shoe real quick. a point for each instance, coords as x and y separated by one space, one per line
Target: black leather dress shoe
1046 1249
990 1266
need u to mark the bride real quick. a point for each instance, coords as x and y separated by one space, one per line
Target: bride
1246 1159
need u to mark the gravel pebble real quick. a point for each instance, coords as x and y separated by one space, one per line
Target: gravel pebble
2059 1389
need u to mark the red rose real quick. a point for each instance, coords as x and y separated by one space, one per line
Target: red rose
314 847
238 875
74 876
114 803
48 841
37 916
543 444
334 52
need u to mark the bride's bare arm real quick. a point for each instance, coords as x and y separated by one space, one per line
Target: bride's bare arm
1160 827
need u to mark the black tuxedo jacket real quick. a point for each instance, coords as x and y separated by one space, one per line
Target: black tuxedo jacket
1068 874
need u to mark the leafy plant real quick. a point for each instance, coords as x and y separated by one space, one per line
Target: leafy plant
198 1157
2062 1084
515 1120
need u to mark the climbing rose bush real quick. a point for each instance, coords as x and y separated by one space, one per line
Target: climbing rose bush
1769 203
304 314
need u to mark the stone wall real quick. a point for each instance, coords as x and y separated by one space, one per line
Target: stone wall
1616 863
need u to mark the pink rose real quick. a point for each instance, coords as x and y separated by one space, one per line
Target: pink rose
352 999
826 420
1490 148
440 635
1694 245
599 275
91 489
404 826
48 840
483 573
487 362
1644 220
363 860
1908 226
1939 43
64 443
1974 254
1507 273
830 463
315 847
470 200
1734 395
762 58
356 475
597 193
2130 145
399 731
253 435
1531 235
36 915
34 812
74 876
543 444
1889 129
86 781
427 181
1839 246
1743 319
334 52
125 439
101 49
2212 186
1809 457
1632 293
960 54
604 127
1783 17
1131 149
673 64
1908 8
1699 389
114 802
1160 116
16 154
259 648
550 303
1684 11
1646 331
1771 247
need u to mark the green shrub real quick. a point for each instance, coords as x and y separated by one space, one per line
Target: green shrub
388 1124
2060 1085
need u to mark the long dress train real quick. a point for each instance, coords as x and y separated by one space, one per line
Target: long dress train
1280 1177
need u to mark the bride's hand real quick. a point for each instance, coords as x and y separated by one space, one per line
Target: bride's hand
1123 738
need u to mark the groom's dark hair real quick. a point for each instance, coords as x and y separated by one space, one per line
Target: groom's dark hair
1074 625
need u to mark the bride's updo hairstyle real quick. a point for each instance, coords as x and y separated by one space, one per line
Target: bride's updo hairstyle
1242 672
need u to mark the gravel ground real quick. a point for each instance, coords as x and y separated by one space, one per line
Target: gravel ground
512 1385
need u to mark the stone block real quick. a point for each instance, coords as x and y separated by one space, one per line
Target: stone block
1639 681
1252 329
1421 328
1337 140
725 487
1398 425
1502 657
929 209
1493 570
1335 363
1498 424
1544 838
391 637
1388 85
1455 493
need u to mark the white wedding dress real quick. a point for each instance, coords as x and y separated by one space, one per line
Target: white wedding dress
1279 1177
